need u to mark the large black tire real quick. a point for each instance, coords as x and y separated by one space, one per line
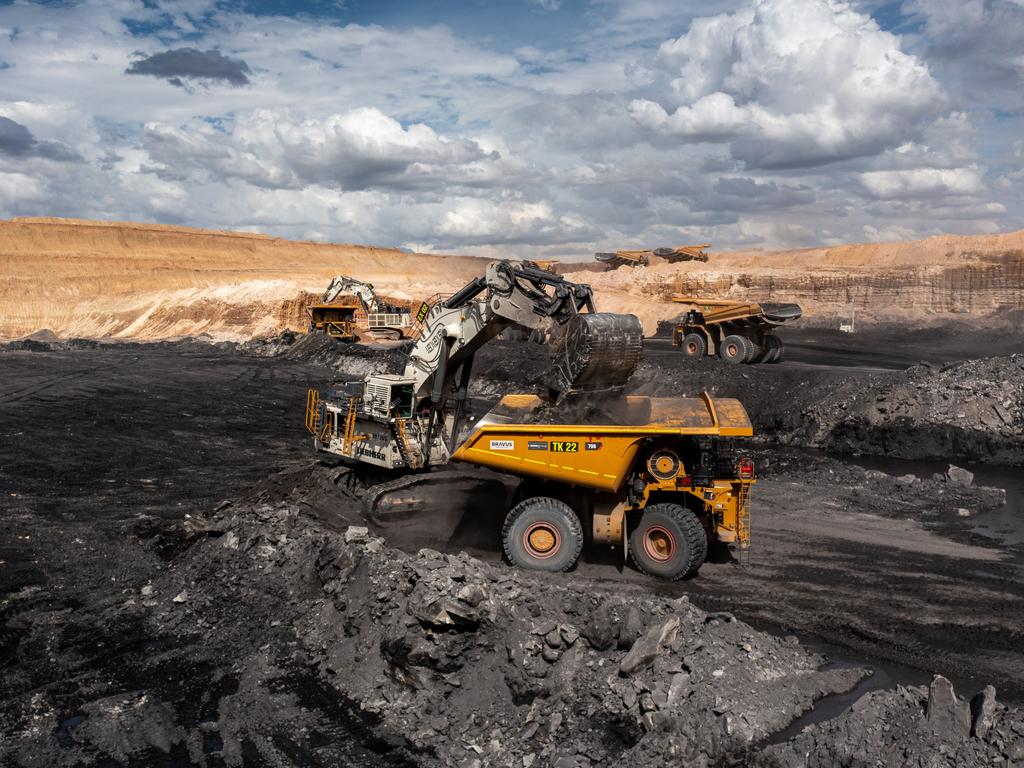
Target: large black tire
669 542
694 345
761 350
542 534
773 349
733 349
753 351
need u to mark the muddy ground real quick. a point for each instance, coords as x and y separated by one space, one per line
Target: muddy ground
134 633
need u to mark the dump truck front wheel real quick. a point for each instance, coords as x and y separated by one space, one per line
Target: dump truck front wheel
669 542
542 534
693 345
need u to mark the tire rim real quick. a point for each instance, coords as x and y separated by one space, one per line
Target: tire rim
732 350
659 543
691 348
542 541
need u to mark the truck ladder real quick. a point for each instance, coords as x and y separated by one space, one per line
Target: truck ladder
312 411
743 516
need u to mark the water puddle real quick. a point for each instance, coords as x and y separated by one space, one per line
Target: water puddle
1003 523
834 705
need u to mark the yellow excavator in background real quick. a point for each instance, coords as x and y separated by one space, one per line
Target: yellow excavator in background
338 317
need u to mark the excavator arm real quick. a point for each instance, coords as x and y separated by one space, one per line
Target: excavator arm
511 294
591 351
414 419
361 290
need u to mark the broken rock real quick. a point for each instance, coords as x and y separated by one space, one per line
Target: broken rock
601 631
631 628
959 475
647 648
983 707
947 715
356 533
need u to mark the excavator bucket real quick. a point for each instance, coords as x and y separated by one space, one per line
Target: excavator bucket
596 352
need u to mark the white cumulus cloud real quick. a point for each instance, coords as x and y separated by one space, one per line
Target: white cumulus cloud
923 182
792 83
358 149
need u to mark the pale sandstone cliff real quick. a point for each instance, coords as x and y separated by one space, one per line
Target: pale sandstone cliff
977 278
147 281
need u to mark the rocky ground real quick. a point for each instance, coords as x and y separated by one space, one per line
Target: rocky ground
144 620
280 637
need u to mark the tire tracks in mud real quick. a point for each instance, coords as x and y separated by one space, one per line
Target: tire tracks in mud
35 388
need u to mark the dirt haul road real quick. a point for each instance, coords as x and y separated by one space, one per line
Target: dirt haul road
138 627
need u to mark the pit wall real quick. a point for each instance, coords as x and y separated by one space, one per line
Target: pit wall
147 281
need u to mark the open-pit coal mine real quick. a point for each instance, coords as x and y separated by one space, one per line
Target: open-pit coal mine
184 583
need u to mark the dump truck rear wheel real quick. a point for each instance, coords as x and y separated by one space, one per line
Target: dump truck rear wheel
733 349
668 542
773 349
753 351
762 350
694 345
542 534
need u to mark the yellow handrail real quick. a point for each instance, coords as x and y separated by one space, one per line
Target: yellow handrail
312 411
350 428
743 516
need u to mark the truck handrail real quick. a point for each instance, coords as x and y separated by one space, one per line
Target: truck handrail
710 404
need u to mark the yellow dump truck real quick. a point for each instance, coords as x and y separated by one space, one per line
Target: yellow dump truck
649 475
644 258
337 320
735 331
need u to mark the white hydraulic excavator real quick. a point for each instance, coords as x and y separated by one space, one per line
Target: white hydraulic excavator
413 419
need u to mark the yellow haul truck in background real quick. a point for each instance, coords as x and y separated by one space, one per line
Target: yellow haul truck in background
337 320
735 331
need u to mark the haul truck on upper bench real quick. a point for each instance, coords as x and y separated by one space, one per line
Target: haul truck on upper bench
654 476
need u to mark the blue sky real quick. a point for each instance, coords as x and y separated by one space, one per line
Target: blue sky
520 127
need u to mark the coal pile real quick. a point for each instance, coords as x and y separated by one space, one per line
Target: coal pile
273 636
280 639
973 409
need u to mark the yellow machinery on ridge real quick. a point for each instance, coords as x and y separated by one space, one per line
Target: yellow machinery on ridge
643 258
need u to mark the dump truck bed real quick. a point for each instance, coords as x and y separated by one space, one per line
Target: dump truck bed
724 311
599 453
